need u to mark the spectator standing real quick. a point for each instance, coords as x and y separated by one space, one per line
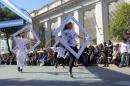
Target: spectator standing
105 52
124 53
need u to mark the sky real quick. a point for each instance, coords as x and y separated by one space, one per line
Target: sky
31 5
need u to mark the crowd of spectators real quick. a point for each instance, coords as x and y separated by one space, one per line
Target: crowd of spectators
105 53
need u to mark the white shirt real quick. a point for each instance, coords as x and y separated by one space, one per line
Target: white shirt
21 43
124 47
54 49
70 37
129 49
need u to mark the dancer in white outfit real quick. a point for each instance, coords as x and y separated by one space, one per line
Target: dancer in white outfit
21 52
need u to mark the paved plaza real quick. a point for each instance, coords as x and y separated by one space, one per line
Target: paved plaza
49 76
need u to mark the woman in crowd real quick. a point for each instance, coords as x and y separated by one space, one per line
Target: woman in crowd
91 54
116 55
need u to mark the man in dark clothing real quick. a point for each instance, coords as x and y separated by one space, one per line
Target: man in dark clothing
105 55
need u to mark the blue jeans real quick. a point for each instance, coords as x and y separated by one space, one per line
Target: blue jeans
124 59
72 59
128 60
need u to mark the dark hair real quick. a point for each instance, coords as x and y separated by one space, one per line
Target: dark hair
124 40
70 23
66 26
105 43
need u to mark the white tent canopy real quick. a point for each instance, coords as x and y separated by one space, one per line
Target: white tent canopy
11 23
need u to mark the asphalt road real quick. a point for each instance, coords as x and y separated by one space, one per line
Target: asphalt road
49 76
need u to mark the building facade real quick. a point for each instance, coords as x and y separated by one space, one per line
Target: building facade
94 15
3 45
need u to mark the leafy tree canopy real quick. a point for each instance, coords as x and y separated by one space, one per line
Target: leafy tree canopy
120 22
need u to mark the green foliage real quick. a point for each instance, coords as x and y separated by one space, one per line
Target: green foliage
120 22
6 14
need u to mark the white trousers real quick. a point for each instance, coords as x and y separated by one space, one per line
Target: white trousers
21 56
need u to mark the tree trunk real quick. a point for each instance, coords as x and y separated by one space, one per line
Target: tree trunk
7 41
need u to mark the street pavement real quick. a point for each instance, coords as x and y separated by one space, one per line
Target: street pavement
49 76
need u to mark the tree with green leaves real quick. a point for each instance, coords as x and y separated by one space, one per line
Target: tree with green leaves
6 14
120 22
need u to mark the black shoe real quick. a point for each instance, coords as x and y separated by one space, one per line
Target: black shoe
71 75
104 66
18 69
21 70
56 67
120 66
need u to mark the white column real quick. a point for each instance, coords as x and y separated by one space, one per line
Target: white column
36 27
10 43
79 16
59 20
105 13
48 31
76 28
76 16
101 14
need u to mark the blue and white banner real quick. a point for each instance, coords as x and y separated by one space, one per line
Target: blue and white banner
16 10
11 23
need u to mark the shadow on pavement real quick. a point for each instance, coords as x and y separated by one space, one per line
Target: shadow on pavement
108 78
17 82
54 73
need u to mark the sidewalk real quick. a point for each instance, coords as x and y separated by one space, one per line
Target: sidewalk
49 76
